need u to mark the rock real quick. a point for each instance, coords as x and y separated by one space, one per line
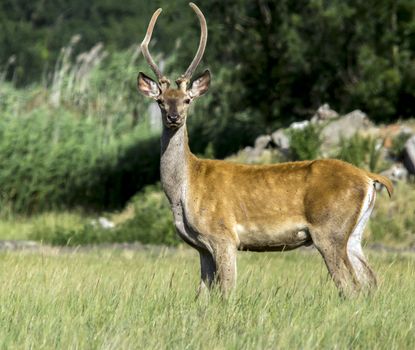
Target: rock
280 139
324 113
409 155
396 172
299 125
262 142
345 127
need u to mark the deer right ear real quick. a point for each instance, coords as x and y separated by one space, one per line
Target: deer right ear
147 86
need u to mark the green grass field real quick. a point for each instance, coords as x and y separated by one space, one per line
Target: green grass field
106 299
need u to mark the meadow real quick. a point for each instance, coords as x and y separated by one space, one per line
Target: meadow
121 299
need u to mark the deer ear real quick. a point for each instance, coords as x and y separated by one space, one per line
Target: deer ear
200 85
147 86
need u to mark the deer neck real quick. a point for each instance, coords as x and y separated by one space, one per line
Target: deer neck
174 162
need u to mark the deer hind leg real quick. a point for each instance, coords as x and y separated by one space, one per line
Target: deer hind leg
342 251
363 273
339 266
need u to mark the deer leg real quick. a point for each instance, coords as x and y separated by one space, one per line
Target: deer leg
207 272
225 259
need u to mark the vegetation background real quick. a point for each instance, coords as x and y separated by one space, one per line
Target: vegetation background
76 140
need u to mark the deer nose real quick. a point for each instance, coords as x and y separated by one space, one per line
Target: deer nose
173 117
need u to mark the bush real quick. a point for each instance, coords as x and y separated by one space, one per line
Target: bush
305 143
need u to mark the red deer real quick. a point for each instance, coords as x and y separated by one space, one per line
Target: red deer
221 207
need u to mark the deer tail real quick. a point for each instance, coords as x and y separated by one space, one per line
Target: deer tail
382 180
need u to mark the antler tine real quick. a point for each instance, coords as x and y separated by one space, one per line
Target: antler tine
202 45
144 45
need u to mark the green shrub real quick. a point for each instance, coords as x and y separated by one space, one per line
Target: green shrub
362 151
305 143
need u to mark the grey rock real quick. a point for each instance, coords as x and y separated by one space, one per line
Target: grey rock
409 155
324 113
262 142
299 125
396 172
280 139
345 127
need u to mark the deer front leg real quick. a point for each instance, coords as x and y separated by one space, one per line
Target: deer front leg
225 259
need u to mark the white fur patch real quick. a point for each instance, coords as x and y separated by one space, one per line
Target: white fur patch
354 244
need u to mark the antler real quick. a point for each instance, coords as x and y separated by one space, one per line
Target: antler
144 48
200 51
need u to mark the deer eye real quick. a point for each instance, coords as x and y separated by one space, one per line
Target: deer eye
187 101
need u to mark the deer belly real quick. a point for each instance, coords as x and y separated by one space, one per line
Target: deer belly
278 238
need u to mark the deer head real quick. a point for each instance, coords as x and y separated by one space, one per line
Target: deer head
174 102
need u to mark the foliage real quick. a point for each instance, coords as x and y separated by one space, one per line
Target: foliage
358 53
150 223
362 152
270 58
305 143
103 299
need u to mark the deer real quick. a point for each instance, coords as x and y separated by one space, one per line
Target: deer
221 207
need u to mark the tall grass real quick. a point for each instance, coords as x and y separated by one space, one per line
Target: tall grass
145 300
81 138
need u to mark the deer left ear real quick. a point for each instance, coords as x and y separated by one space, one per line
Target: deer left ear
200 85
147 86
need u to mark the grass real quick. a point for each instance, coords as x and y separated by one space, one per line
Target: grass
126 300
80 139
